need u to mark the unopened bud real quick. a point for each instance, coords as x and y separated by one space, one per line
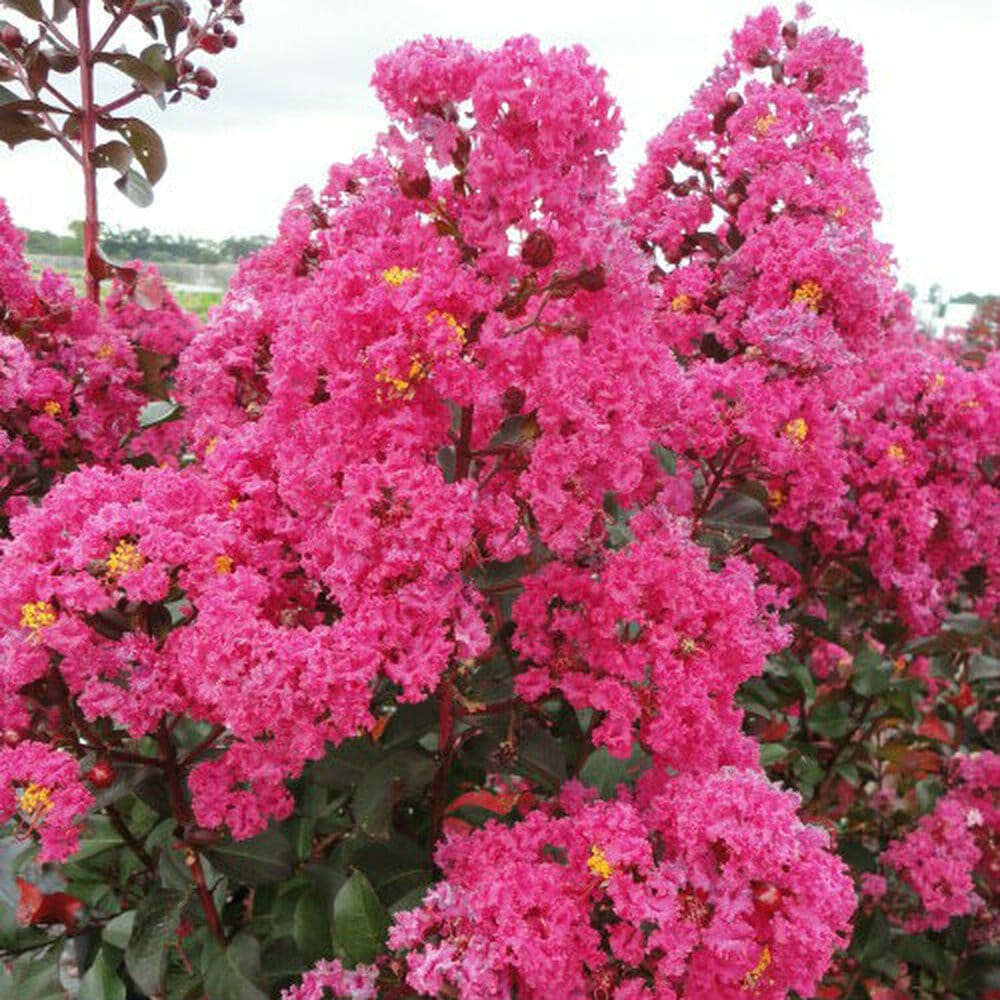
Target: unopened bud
592 279
415 187
538 249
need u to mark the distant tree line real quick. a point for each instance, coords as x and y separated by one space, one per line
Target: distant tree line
129 244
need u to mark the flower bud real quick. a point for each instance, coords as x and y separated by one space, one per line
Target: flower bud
11 37
592 279
538 249
415 187
101 775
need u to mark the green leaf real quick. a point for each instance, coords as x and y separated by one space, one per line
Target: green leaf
156 920
136 188
360 921
114 154
771 753
16 128
666 458
118 930
311 926
343 766
741 515
157 57
29 8
830 717
983 667
803 675
965 623
34 977
395 867
234 973
402 774
540 756
872 673
606 773
918 949
145 142
268 857
101 981
159 412
873 936
136 69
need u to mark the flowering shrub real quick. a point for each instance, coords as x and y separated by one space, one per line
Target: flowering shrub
510 543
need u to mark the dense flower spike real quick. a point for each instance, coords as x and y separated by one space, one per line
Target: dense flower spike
41 788
483 476
711 888
628 637
74 379
938 859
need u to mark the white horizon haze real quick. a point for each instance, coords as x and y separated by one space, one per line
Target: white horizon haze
294 97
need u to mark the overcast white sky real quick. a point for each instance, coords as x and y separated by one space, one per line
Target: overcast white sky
294 97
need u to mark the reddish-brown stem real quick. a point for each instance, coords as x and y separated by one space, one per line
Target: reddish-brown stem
53 29
446 694
120 102
88 133
717 477
199 748
134 843
116 23
446 730
184 817
463 447
57 133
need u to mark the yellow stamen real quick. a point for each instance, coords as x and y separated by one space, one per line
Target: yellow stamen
938 381
682 303
126 558
451 321
688 646
839 212
52 408
797 430
598 863
223 564
36 616
809 294
402 387
234 503
751 981
210 445
970 404
775 496
896 452
34 800
397 276
104 352
763 124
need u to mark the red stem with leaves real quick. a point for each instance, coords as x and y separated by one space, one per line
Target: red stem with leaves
88 132
446 694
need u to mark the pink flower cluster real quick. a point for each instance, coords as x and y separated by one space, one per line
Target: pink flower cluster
805 377
961 836
41 789
471 403
74 378
702 887
655 640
